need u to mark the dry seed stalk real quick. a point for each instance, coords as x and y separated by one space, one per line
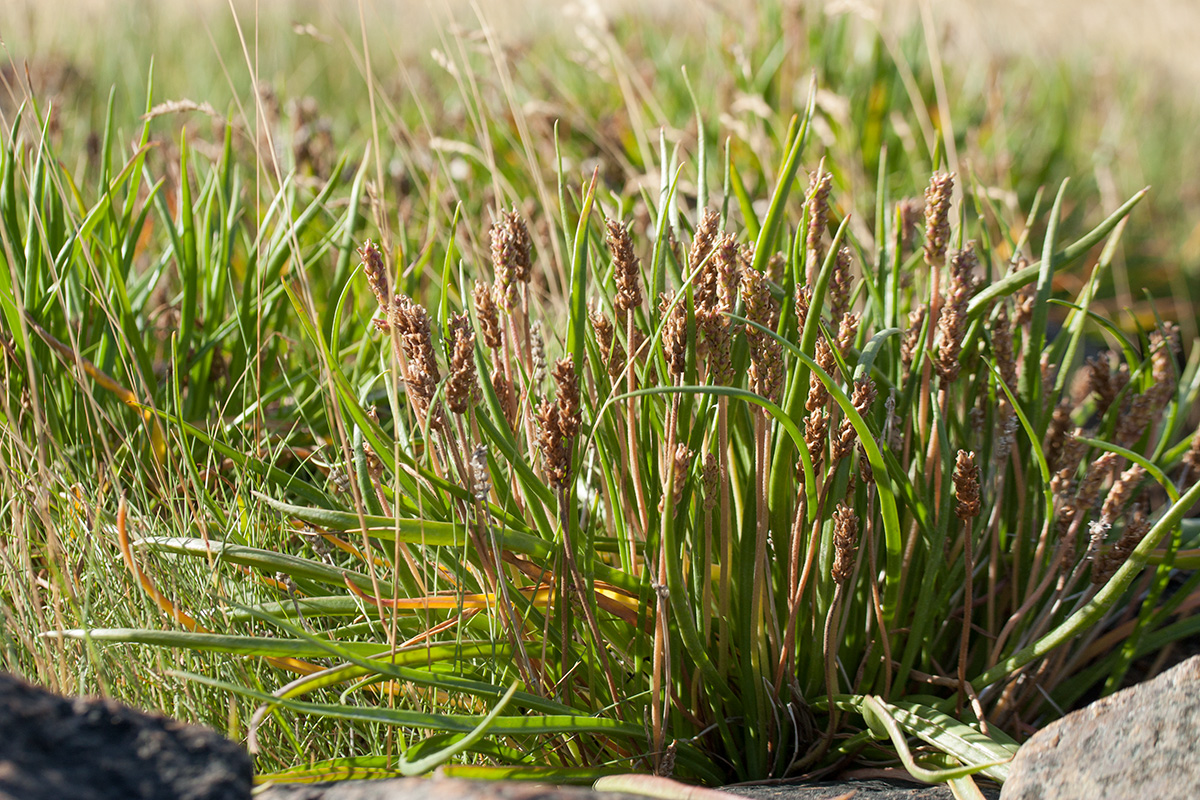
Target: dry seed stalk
966 508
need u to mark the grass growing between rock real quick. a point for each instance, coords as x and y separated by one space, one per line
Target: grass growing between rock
757 469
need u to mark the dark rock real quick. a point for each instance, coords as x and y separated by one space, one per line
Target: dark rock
434 789
95 749
1138 742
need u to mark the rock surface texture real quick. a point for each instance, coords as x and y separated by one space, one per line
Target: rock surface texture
858 789
53 748
435 789
1139 742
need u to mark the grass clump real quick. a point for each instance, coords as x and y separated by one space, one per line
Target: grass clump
720 484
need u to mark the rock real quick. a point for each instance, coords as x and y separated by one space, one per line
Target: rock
95 749
858 788
434 789
1138 742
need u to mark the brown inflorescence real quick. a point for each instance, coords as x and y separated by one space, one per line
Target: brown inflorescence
511 257
461 388
952 324
1137 525
937 217
377 276
863 398
912 335
803 302
1095 476
818 221
410 321
845 542
816 431
682 459
555 451
766 353
488 315
702 243
818 395
567 395
625 269
839 285
608 343
1056 434
966 486
674 335
848 332
911 211
1122 492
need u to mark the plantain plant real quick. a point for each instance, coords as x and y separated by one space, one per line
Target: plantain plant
735 490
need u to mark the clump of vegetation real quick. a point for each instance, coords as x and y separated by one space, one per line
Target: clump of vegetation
697 485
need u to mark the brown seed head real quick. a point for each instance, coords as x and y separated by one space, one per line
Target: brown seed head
845 542
863 399
953 322
818 395
1095 476
1122 492
421 375
912 335
966 486
848 332
556 457
911 210
608 343
702 243
569 418
625 269
511 246
488 315
816 433
1136 528
803 301
818 220
758 302
839 285
675 344
728 272
683 460
1002 348
937 217
377 276
461 388
1056 434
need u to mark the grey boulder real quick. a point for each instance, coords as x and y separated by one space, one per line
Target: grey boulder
1139 742
53 747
